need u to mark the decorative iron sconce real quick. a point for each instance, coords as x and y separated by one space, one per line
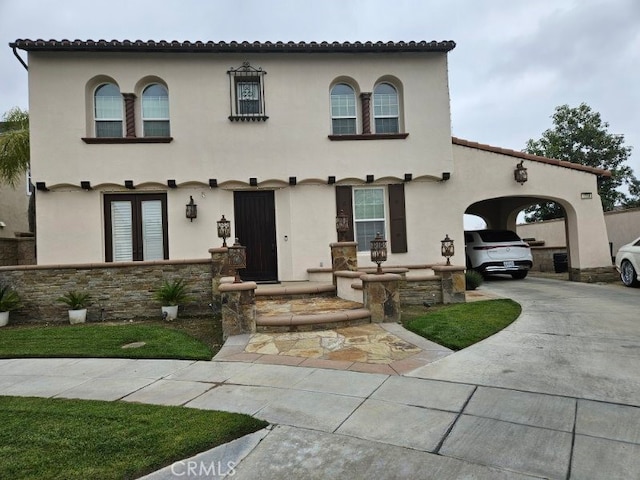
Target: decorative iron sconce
342 225
378 251
520 173
237 259
224 230
447 249
192 209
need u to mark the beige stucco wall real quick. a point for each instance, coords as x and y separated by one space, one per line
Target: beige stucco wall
622 227
14 207
483 175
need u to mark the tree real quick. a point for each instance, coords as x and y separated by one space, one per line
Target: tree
14 146
580 136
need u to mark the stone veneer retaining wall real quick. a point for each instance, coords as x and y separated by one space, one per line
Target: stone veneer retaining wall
543 258
119 291
416 291
593 275
17 251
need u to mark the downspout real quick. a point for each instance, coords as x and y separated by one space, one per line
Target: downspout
26 67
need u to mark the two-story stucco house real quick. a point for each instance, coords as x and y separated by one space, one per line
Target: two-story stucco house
278 138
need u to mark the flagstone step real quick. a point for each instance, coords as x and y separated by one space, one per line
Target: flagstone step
296 290
305 314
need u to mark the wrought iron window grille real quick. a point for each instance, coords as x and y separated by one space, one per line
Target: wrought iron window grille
246 94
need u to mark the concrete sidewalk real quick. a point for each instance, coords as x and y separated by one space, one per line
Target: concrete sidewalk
554 396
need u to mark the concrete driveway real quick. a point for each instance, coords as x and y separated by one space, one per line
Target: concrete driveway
572 339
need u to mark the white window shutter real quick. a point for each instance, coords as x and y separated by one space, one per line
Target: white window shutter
152 235
121 231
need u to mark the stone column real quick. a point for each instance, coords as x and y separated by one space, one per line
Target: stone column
453 283
344 256
382 296
238 308
129 112
219 269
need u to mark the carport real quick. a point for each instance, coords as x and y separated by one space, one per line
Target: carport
491 192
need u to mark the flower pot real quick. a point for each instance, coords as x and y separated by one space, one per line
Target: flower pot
77 316
171 312
4 318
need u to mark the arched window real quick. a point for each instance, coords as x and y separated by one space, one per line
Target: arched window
108 110
386 108
155 111
343 110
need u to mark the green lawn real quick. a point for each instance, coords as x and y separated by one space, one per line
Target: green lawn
79 439
458 326
101 341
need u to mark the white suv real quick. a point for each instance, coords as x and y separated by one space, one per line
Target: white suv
497 251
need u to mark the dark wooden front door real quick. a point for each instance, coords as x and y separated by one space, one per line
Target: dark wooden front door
255 218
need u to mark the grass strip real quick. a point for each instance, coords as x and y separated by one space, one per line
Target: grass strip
101 341
80 439
458 326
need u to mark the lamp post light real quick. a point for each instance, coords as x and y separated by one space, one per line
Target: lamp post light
447 249
237 259
378 251
520 173
192 209
342 225
224 230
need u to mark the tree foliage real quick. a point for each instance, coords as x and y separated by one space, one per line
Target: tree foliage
14 146
579 135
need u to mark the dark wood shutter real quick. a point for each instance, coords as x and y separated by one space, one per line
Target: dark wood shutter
397 221
345 203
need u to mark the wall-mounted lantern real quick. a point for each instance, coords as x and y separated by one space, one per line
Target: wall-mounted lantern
447 249
520 173
224 230
192 209
378 251
342 225
237 259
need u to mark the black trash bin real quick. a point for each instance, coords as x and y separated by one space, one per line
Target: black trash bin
560 262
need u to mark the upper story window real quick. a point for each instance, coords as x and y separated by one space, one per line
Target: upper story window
155 111
108 110
343 110
247 93
386 109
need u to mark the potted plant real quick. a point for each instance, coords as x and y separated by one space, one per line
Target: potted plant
77 303
171 295
9 300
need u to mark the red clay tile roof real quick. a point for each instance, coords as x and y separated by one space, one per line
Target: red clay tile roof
528 156
230 47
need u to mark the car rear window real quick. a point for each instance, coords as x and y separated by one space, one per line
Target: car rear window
491 236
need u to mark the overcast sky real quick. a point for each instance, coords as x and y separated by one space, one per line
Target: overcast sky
515 60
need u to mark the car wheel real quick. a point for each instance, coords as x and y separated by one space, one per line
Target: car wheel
519 275
628 274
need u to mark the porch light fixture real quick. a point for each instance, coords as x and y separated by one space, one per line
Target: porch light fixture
520 173
447 249
129 184
342 225
85 185
192 209
172 184
237 259
213 182
378 251
42 186
224 230
586 195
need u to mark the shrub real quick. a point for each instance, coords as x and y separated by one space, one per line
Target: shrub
75 300
172 293
473 279
9 299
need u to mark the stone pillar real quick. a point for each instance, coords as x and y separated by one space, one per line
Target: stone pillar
129 114
382 296
453 283
344 256
238 308
365 99
219 269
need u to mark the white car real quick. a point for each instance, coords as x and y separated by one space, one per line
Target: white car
628 263
497 251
